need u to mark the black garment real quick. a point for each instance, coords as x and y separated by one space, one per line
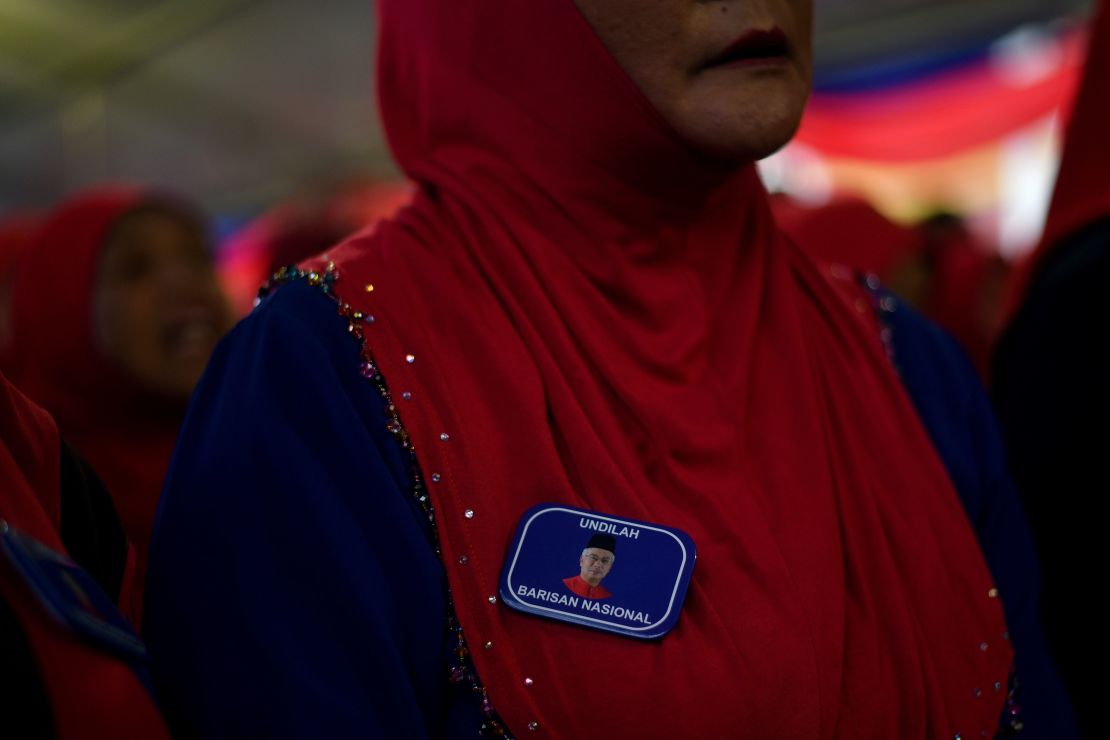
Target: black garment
24 703
94 538
1052 393
91 530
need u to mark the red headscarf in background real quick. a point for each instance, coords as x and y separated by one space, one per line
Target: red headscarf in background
849 232
1082 193
299 228
966 282
121 430
16 232
598 316
92 695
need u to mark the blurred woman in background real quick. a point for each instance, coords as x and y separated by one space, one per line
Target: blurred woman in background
115 310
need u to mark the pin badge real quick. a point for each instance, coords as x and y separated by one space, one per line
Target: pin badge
598 570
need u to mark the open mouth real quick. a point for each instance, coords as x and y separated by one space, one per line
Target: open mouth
754 48
189 334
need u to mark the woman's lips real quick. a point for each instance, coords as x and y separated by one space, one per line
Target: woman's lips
754 48
189 334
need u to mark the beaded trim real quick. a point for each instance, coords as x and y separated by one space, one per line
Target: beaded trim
1012 723
461 671
884 305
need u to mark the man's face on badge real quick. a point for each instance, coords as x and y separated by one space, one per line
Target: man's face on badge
596 564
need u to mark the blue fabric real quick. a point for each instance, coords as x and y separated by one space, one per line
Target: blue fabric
293 588
954 408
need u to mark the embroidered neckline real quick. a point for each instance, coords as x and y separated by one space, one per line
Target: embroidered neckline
461 670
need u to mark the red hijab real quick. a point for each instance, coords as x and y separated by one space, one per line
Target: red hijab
16 232
299 228
124 433
598 316
1082 193
92 695
850 232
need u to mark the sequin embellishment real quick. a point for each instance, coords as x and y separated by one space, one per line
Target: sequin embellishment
462 670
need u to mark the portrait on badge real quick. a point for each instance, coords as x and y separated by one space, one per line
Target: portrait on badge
642 598
595 563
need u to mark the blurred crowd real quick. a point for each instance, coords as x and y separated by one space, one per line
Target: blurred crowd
113 301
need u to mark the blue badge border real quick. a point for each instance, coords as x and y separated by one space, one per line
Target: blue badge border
564 616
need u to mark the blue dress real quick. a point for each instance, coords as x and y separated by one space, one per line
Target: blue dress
294 585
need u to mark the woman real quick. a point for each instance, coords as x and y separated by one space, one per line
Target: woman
58 680
1049 384
586 304
115 311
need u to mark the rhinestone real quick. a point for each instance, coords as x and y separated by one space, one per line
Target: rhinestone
873 282
993 593
407 395
977 693
469 513
444 436
370 319
369 287
888 304
331 266
957 736
492 599
488 645
463 560
533 726
436 477
997 686
528 682
983 647
410 359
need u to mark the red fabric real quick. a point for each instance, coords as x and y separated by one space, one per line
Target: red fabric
599 317
965 291
578 585
848 232
16 232
125 435
93 695
298 229
1082 193
939 116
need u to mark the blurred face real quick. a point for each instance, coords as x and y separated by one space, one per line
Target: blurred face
596 564
158 308
730 76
